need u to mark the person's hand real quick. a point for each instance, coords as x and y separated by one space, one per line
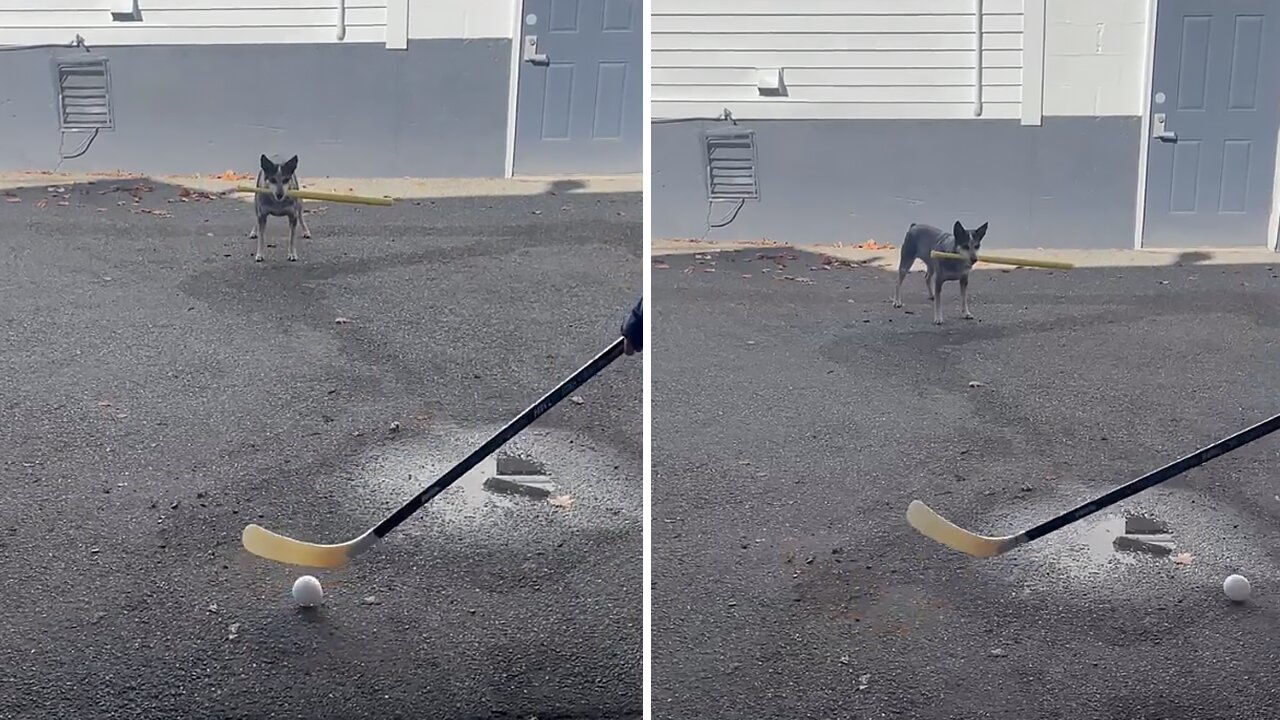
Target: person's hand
633 330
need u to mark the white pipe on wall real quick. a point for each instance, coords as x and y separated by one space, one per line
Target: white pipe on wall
977 58
342 19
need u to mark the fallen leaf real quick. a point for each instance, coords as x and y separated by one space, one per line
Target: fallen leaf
342 321
659 265
576 400
1183 559
42 203
975 384
560 501
12 199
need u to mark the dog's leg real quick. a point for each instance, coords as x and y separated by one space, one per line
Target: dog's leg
928 280
964 297
293 238
302 218
937 300
260 232
904 266
897 288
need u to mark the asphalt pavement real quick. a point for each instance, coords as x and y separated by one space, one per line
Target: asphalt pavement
796 414
162 391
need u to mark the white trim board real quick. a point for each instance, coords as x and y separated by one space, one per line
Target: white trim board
397 24
1144 131
513 89
1033 19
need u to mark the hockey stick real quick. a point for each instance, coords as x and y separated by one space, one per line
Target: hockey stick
264 543
937 528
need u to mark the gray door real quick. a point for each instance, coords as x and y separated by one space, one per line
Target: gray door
1215 110
578 105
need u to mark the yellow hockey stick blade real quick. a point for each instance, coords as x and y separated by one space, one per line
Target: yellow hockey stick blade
318 195
264 543
1001 260
940 530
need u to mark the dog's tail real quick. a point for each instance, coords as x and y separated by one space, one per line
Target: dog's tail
907 257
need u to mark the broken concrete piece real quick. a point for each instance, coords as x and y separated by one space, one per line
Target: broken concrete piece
1139 525
1124 542
512 465
525 485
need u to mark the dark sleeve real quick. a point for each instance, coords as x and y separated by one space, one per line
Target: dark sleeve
633 326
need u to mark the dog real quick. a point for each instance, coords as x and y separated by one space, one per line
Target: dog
919 244
279 177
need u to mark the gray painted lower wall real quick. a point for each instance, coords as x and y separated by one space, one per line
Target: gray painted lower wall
438 109
1070 183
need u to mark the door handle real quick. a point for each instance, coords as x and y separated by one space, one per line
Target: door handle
1158 132
531 54
1166 136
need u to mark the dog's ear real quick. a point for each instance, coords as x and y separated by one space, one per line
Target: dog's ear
961 235
980 232
268 167
290 165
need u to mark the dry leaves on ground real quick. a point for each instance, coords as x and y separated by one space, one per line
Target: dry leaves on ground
186 194
873 245
659 265
829 262
1183 559
560 501
342 321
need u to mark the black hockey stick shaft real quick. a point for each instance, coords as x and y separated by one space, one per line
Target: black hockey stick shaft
1155 477
500 438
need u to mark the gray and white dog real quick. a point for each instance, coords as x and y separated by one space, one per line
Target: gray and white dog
919 244
279 176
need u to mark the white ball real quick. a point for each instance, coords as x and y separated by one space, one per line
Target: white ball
307 591
1237 588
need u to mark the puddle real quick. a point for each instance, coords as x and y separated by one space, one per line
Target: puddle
511 490
1128 538
1081 564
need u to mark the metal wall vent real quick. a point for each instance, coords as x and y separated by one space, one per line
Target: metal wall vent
731 165
84 94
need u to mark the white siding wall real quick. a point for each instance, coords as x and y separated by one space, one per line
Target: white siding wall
198 22
840 58
1094 57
